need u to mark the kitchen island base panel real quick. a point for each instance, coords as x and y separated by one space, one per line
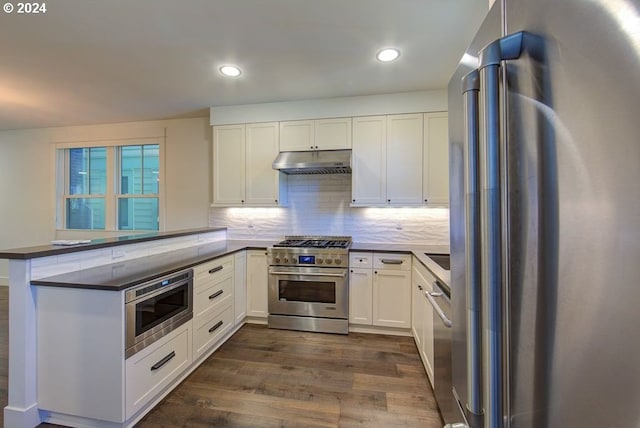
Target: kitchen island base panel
320 325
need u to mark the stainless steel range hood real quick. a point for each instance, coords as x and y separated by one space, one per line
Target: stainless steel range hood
314 162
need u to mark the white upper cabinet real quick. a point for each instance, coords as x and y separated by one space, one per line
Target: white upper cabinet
436 159
321 134
404 159
387 160
369 161
333 134
228 164
242 172
297 135
262 181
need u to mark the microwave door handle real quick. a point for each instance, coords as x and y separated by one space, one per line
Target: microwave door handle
471 87
335 275
494 370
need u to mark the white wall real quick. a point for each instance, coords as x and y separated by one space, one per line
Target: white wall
27 178
319 205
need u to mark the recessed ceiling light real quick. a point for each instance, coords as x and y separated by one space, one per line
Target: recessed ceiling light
387 55
230 71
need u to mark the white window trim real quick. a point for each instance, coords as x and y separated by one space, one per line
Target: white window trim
111 196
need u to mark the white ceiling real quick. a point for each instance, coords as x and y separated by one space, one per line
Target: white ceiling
102 61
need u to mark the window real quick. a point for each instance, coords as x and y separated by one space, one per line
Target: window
138 198
109 188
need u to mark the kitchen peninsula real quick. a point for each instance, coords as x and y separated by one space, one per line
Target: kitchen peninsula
67 320
123 262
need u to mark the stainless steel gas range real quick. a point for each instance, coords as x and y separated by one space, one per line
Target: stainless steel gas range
309 284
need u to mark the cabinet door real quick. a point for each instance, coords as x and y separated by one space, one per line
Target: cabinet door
424 322
436 159
369 158
257 284
228 165
427 337
360 296
392 298
404 159
240 288
333 134
416 309
261 149
297 135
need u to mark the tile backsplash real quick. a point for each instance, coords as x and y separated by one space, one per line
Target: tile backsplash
319 205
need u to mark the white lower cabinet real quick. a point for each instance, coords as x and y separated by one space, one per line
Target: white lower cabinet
257 284
212 303
207 332
380 289
422 319
154 368
240 287
360 296
392 298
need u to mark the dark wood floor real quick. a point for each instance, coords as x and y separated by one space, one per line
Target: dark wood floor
277 378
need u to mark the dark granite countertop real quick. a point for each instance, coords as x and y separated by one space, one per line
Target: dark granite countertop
119 276
444 276
51 250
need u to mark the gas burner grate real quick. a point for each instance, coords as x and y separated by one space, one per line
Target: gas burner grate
314 242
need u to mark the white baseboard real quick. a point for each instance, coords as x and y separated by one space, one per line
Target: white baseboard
17 417
4 281
354 328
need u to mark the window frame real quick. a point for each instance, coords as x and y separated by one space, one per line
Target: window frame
113 172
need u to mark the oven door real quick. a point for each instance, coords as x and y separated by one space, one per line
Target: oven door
308 291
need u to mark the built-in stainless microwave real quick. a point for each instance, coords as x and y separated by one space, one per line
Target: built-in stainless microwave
156 308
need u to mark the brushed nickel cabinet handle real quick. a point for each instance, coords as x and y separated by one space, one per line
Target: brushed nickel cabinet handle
216 269
216 294
215 327
163 361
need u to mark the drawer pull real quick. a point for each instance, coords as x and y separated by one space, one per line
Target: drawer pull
216 294
391 261
215 269
163 361
215 327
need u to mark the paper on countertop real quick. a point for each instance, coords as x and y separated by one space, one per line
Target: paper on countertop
70 241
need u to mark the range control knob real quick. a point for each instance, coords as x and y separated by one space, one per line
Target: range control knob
277 260
286 259
319 260
338 261
329 261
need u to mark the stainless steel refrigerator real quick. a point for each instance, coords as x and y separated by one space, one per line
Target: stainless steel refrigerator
544 114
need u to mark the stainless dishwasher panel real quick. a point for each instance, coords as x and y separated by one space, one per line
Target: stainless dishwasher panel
440 300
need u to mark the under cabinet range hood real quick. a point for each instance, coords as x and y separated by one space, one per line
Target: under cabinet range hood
314 162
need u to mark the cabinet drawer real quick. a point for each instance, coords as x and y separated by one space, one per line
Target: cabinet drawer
210 298
210 272
392 261
210 331
151 370
361 260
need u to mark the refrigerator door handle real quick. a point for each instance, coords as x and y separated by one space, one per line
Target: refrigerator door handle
491 58
470 89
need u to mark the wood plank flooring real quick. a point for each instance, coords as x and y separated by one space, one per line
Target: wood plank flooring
277 378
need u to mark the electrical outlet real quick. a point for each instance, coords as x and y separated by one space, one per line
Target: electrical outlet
118 253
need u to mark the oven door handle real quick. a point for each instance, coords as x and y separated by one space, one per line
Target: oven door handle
338 275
